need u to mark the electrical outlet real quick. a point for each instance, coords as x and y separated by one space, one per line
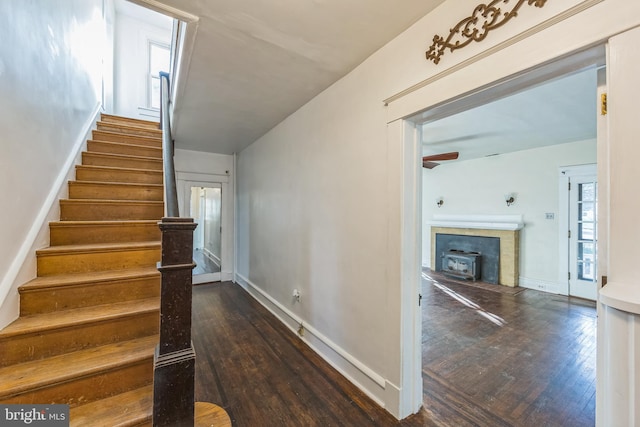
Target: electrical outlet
549 215
296 295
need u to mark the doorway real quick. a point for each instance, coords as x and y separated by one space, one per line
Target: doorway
206 200
409 132
205 207
507 173
580 229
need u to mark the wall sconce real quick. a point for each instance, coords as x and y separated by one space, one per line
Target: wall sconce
510 198
439 202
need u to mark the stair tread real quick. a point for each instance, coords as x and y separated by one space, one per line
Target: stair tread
97 247
126 122
40 373
120 156
125 409
96 201
37 323
72 279
146 147
118 117
132 128
118 169
75 223
124 184
134 119
103 135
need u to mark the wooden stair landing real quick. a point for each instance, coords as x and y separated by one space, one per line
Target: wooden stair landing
89 322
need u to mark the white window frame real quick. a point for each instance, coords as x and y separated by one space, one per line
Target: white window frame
150 76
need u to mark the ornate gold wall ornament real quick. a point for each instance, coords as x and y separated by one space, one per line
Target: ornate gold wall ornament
485 17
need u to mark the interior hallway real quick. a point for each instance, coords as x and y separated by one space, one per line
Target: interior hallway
537 367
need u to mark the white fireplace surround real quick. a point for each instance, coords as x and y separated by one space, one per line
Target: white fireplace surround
486 222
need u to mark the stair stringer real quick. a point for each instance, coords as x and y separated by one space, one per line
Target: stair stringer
23 267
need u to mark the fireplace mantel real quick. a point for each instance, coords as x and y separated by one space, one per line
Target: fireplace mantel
505 227
484 222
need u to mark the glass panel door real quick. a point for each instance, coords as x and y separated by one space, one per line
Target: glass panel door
206 211
583 237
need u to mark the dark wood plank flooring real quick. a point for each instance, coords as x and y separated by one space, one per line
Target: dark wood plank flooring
532 364
522 360
263 375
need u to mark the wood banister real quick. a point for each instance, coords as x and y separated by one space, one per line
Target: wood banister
174 360
168 149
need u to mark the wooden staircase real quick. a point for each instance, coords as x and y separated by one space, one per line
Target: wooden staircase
88 323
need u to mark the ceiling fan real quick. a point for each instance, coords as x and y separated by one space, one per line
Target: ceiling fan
429 161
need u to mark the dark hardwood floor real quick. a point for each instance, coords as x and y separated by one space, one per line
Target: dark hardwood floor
263 375
494 359
520 360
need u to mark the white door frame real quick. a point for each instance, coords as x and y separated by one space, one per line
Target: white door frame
565 175
403 132
187 186
184 182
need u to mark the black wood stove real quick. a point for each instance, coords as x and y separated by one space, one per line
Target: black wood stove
461 264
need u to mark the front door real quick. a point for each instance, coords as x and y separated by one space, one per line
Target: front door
583 223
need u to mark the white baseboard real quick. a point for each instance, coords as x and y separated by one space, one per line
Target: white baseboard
214 259
23 266
540 285
366 379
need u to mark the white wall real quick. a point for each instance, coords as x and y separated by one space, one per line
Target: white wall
313 215
320 197
131 60
478 187
51 84
108 59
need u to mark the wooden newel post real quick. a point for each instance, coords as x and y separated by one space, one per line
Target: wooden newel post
174 361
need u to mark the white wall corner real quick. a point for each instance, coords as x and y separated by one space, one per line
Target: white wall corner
374 385
23 267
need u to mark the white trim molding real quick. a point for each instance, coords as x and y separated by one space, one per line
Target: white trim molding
501 46
365 378
485 222
167 10
542 285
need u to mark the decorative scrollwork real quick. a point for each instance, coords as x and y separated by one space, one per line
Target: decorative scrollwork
485 17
